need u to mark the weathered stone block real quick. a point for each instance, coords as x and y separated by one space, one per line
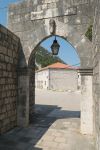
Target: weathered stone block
6 59
10 53
1 57
2 81
3 50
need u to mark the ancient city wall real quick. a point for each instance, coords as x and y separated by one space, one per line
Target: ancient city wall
8 79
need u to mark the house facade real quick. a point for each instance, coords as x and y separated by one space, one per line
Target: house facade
57 76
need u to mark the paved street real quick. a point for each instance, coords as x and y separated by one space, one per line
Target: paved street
69 100
55 125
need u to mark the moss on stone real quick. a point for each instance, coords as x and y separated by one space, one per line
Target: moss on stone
88 34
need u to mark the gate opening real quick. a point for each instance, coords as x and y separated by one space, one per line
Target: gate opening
57 84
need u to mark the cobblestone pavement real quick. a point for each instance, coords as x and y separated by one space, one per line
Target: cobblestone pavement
52 128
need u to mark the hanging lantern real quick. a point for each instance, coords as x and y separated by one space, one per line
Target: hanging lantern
55 47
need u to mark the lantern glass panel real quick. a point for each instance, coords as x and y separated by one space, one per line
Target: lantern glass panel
55 47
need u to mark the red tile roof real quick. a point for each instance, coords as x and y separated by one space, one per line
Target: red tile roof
58 65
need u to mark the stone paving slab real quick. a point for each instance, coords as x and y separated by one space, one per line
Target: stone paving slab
63 139
54 129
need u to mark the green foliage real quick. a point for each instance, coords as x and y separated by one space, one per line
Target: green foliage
88 34
45 58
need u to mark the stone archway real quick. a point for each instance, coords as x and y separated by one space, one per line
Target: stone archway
32 22
86 80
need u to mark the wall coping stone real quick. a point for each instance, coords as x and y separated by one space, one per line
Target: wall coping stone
86 72
8 32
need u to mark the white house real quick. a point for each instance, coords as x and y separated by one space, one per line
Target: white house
57 76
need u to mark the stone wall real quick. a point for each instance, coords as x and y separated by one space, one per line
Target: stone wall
32 84
96 73
63 79
87 103
30 20
8 79
32 90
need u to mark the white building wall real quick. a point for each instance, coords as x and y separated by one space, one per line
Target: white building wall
62 79
41 79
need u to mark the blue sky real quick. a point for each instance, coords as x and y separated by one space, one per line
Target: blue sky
3 10
66 52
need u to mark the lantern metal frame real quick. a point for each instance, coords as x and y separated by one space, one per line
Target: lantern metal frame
55 47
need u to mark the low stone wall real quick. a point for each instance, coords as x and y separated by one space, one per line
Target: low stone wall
8 79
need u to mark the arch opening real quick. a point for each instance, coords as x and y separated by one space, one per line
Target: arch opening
64 44
48 82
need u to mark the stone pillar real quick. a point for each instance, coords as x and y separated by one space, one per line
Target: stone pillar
87 101
23 98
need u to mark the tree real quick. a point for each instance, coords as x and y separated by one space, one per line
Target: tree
88 34
45 58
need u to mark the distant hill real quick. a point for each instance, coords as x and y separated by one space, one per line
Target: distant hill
44 58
